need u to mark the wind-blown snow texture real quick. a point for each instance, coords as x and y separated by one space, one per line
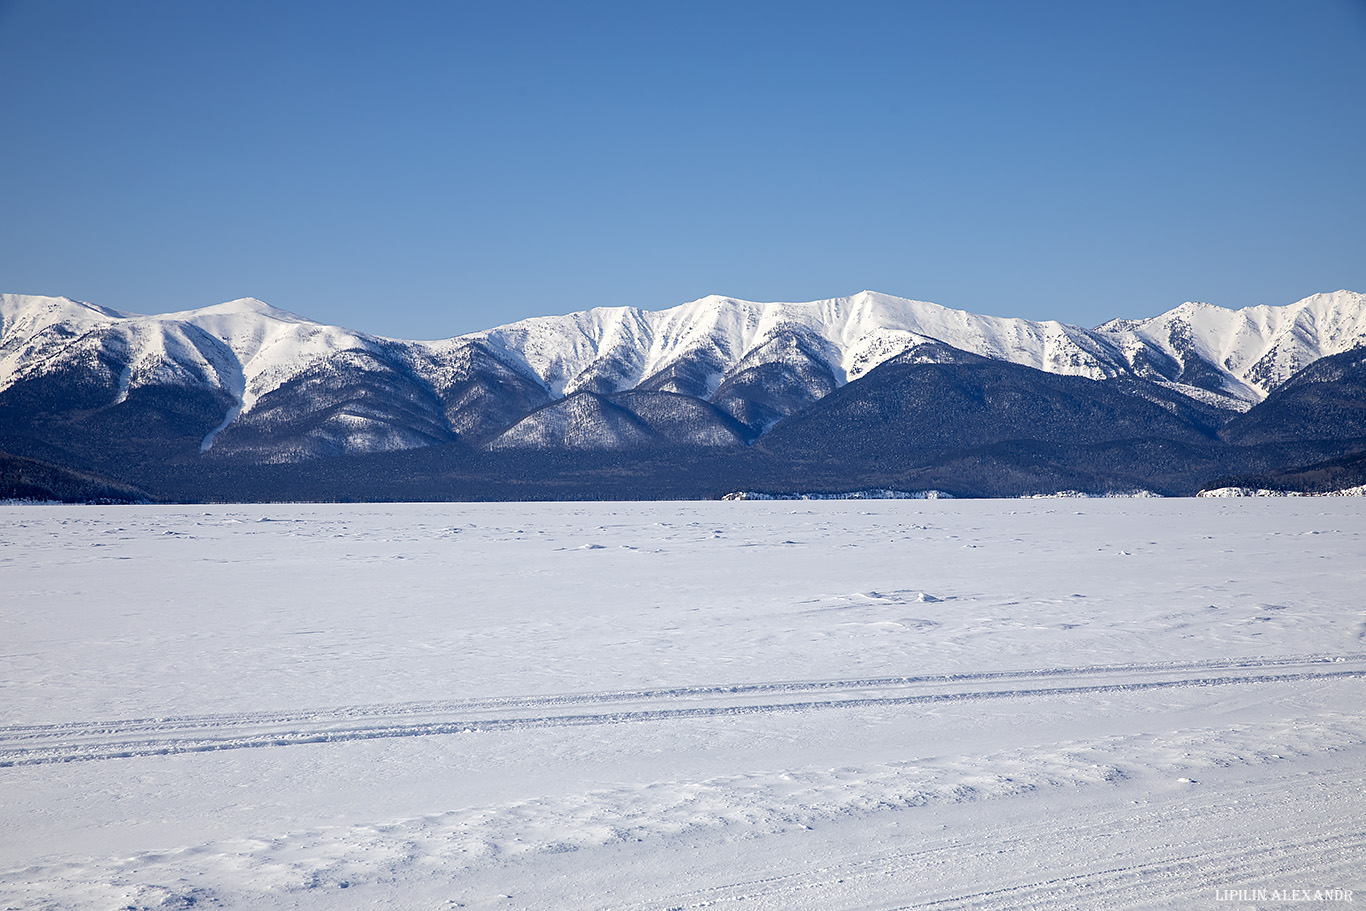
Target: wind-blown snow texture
755 362
815 705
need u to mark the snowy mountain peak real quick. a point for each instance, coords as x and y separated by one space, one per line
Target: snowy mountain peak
753 362
1253 350
247 307
44 310
608 350
245 347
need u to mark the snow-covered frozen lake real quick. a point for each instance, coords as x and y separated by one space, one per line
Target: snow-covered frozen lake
822 705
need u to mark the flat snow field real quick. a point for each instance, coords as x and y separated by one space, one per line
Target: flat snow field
761 705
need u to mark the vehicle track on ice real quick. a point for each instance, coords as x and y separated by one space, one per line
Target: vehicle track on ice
37 744
1189 861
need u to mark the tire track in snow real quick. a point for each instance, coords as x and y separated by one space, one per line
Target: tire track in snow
400 709
1173 858
38 744
1171 881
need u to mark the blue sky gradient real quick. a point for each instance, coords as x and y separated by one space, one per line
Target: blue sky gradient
427 169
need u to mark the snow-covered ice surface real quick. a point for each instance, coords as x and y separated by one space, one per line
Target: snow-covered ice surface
823 705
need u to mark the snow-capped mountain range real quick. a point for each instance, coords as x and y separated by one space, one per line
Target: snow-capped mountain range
713 372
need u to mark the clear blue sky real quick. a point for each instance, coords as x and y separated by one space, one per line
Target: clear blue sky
426 169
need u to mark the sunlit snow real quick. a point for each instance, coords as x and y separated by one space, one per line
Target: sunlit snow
821 705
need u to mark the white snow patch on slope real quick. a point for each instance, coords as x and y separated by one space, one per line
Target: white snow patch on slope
271 345
860 331
1256 348
245 347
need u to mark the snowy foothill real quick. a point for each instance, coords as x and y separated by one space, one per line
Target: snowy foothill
788 704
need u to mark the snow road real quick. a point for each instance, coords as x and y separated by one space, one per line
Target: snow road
895 704
77 741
